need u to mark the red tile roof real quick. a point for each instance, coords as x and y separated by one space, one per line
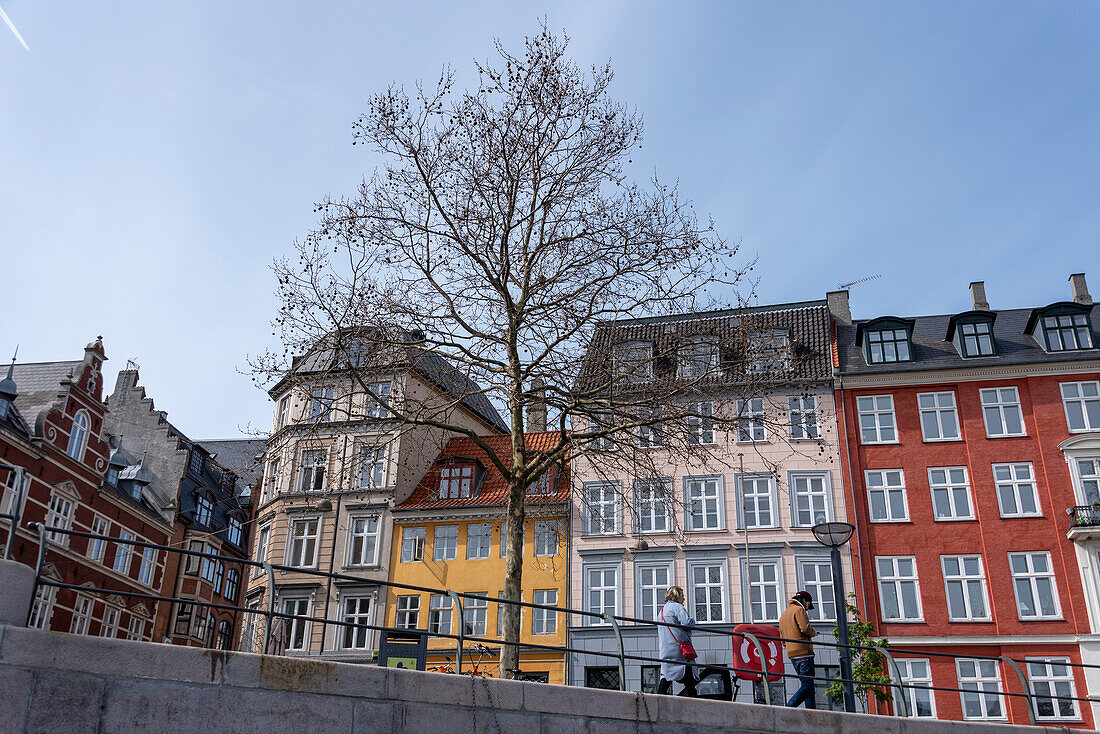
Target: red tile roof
494 489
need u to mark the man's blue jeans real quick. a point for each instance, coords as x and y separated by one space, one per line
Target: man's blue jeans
804 668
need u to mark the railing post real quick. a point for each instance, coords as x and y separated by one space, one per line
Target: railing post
456 602
763 665
1027 690
270 603
622 651
40 528
895 677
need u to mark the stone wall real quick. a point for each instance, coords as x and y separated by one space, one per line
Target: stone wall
55 682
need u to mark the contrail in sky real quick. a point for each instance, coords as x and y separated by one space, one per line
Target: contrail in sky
11 25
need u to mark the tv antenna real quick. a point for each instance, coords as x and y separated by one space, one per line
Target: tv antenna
846 286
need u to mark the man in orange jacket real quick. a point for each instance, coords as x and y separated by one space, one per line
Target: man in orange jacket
794 626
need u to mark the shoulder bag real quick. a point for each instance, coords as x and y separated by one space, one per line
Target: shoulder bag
686 648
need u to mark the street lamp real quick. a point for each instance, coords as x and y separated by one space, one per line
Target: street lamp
833 535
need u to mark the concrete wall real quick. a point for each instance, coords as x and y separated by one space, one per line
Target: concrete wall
52 682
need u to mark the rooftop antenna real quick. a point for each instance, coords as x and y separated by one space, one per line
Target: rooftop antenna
846 286
131 363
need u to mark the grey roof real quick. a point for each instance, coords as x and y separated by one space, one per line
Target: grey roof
243 457
931 351
38 384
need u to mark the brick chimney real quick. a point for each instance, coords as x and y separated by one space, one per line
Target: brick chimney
1080 289
536 410
838 306
977 295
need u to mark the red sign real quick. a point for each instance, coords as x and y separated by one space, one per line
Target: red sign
746 656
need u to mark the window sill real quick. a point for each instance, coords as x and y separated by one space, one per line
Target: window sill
880 443
704 530
887 521
1007 435
955 519
1022 517
1041 619
984 620
903 621
942 440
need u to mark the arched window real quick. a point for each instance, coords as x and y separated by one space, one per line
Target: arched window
78 438
225 635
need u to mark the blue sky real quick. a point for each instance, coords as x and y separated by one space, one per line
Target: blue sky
155 157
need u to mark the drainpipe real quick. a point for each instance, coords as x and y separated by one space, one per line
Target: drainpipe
843 426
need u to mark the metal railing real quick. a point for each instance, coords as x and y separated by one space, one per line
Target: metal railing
1084 516
896 683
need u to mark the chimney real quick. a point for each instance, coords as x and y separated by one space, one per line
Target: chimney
977 295
838 306
1080 289
536 410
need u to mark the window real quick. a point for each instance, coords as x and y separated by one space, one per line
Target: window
601 508
602 422
445 545
750 421
378 405
921 702
876 419
475 614
43 605
757 508
816 577
504 541
320 404
653 582
412 544
200 626
764 591
354 611
297 637
303 543
703 503
1088 470
950 493
886 495
601 592
209 565
898 588
440 609
60 516
272 478
1001 408
651 498
981 681
1052 683
408 612
232 584
219 573
123 551
109 628
802 412
938 419
1016 490
194 464
700 424
545 621
542 484
263 539
363 540
137 628
1067 332
455 481
1082 404
312 476
633 361
192 566
888 345
501 606
1033 580
651 435
234 531
204 510
768 352
78 437
82 613
707 591
372 467
97 546
280 412
603 677
479 538
546 538
225 636
8 490
964 581
183 619
977 339
697 358
810 503
148 563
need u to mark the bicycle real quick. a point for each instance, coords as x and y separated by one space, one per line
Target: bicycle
483 651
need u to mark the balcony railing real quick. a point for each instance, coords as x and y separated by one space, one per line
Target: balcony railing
1085 516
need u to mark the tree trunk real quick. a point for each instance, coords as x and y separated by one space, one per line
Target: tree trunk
513 566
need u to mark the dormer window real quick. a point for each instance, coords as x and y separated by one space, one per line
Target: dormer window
633 361
698 358
887 340
1067 332
972 334
112 476
456 482
235 531
768 352
195 465
204 510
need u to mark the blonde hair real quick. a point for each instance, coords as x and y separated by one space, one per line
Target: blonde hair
674 593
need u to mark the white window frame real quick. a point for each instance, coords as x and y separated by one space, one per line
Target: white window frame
603 589
546 538
802 416
696 353
896 582
204 510
413 540
596 523
59 514
475 614
42 607
910 678
363 529
1033 578
1074 393
756 589
700 424
650 609
1009 478
124 553
751 417
97 547
281 412
937 406
954 491
109 626
651 505
78 436
772 506
263 543
709 585
889 337
996 399
978 334
448 549
632 361
484 546
821 590
706 493
82 615
456 481
969 583
812 495
372 467
1077 328
1040 672
314 467
979 681
321 402
297 544
379 408
295 627
440 614
888 483
544 621
148 566
407 612
136 629
871 406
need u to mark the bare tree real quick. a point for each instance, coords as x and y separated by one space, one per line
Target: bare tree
504 239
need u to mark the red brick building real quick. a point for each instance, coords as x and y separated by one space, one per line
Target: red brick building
957 445
51 425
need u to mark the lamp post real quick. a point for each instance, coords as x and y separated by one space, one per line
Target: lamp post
833 535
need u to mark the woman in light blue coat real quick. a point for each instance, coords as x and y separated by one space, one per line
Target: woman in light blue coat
675 668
